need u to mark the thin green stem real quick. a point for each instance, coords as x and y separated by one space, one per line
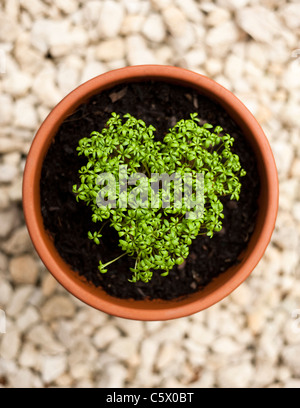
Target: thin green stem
114 260
147 169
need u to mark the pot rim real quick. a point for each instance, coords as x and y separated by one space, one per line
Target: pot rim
157 309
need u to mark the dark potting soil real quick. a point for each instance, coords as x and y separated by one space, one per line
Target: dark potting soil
161 105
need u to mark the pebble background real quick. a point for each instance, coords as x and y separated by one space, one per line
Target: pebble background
47 48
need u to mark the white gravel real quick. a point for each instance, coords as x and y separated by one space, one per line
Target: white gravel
252 338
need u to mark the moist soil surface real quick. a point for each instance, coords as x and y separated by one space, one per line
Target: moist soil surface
68 222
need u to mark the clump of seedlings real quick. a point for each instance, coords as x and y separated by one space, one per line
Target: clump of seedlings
158 196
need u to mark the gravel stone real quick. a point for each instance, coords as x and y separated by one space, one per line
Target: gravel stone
8 173
58 307
8 221
138 52
115 377
53 367
6 292
91 70
10 345
154 28
9 29
27 319
6 113
250 339
236 376
132 24
105 336
17 84
224 34
284 156
110 27
291 15
19 242
29 357
19 300
291 357
110 50
43 337
175 20
49 285
191 10
124 349
45 88
259 22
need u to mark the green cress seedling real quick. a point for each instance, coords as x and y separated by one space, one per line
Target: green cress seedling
156 236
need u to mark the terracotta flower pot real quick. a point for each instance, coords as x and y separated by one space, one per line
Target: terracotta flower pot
221 286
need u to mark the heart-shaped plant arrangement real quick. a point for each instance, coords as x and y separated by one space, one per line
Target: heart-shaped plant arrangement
158 196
